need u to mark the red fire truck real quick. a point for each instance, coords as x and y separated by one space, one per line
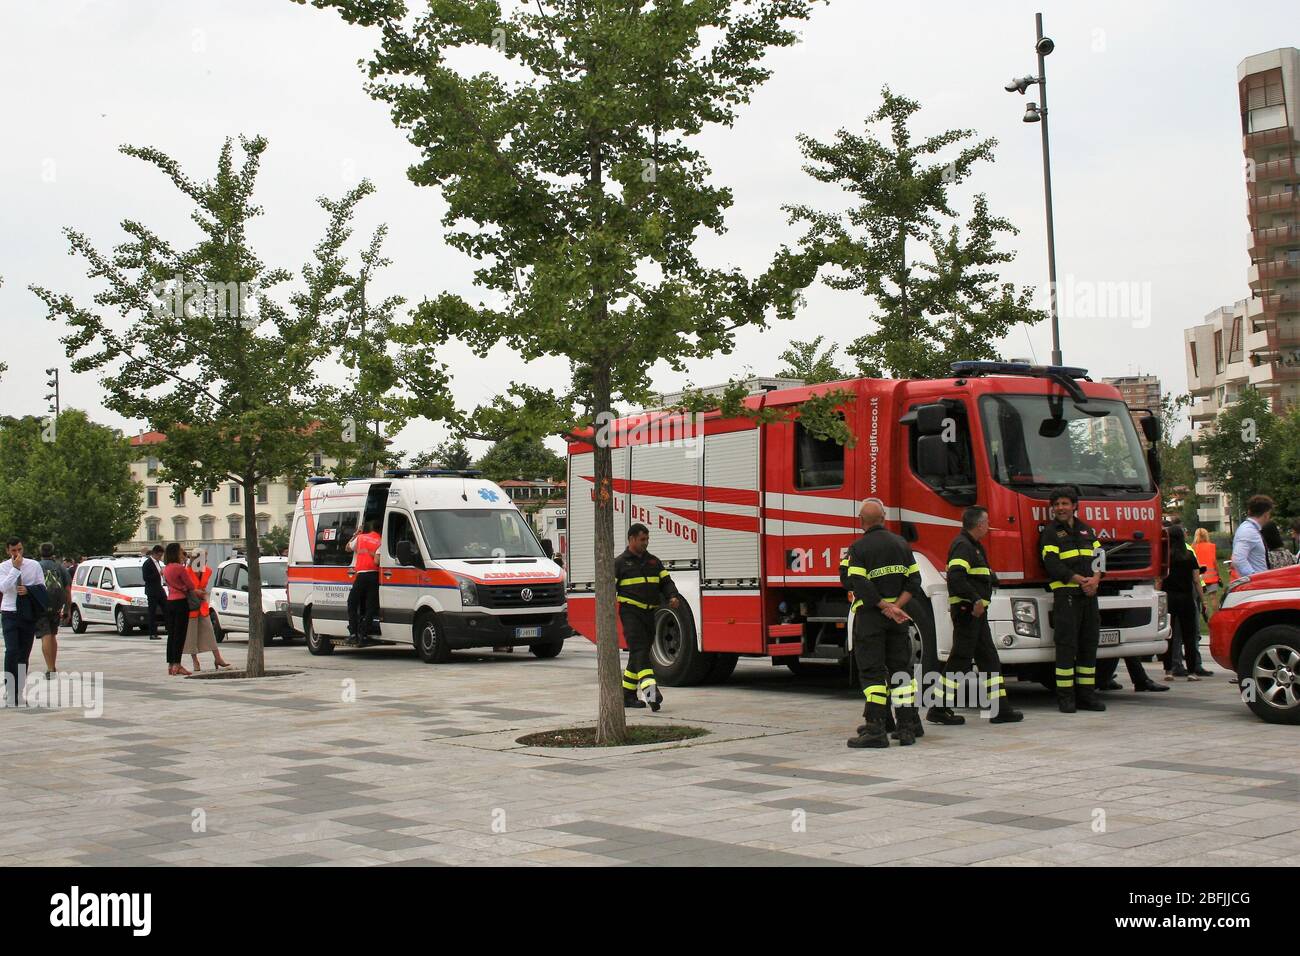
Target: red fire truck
753 517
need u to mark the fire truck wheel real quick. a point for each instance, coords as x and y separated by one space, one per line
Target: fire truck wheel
1267 671
543 651
430 642
678 661
317 644
723 666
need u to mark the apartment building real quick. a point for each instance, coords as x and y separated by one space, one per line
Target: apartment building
1255 343
1139 392
212 518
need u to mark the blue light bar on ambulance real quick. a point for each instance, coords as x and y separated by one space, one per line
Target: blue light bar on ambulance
976 369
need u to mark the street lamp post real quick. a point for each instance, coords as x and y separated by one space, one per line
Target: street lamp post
1038 114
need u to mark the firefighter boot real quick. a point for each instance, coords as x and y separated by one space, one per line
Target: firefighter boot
1087 699
890 726
1065 699
946 716
649 694
1006 714
909 726
630 699
871 735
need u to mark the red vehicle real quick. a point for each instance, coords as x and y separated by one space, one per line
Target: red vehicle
752 519
1256 633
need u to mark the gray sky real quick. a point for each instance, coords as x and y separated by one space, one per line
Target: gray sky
1145 134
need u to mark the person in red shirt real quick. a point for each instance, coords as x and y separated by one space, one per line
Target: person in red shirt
363 599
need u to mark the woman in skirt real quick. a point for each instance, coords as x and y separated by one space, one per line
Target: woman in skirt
199 638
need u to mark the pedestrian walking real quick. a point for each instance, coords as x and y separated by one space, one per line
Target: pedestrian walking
642 583
22 590
181 593
199 636
1183 658
58 585
151 570
1276 553
1249 555
1068 547
883 576
363 598
971 581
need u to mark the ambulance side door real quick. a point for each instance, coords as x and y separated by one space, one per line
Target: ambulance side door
399 587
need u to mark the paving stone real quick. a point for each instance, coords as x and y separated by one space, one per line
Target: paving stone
812 806
739 786
923 796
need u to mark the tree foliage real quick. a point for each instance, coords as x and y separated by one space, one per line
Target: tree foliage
1245 449
808 361
561 138
69 482
937 297
519 456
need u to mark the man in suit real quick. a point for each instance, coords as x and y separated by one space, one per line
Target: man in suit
153 588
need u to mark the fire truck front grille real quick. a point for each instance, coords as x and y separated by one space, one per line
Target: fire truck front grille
1126 617
1136 557
512 595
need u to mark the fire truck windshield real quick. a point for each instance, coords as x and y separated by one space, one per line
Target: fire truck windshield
1040 441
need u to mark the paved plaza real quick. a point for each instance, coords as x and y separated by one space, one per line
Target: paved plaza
371 757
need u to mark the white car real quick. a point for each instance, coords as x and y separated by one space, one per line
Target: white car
228 598
109 590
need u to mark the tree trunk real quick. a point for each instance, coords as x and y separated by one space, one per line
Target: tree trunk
256 666
611 727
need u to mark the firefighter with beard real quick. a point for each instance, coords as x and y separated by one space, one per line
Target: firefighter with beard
881 574
643 583
1069 548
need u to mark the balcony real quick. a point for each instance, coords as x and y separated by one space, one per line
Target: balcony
1274 236
1279 302
1265 138
1284 168
1204 411
1288 268
1285 201
1257 341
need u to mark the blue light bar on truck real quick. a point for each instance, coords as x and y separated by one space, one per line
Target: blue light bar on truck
976 369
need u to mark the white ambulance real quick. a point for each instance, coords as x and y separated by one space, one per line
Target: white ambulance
109 590
459 566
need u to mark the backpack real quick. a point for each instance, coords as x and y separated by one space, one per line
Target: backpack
54 588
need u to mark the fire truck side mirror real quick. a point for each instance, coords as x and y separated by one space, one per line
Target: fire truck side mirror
1151 429
931 419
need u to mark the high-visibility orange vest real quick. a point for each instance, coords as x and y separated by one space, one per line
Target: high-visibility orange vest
1207 557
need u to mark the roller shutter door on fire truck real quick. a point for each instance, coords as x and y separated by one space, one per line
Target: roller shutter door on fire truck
582 514
731 538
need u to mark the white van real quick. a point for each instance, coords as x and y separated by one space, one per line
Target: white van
109 590
228 598
459 566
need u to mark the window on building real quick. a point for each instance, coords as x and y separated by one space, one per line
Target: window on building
178 528
151 466
263 494
1218 351
317 461
151 532
263 524
151 496
178 497
1265 108
1234 346
236 527
234 490
207 527
208 496
1196 372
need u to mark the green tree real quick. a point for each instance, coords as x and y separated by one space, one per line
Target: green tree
453 454
561 137
208 355
935 287
1242 455
521 456
275 540
807 360
67 481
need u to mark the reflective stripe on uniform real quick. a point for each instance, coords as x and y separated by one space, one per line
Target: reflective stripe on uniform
1087 675
648 579
634 603
1065 677
876 694
1062 584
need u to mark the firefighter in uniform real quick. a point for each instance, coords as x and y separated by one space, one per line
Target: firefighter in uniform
970 589
882 574
643 583
1069 548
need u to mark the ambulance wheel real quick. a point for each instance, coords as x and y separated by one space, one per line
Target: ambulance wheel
119 620
218 631
78 622
723 666
678 661
318 644
430 642
544 651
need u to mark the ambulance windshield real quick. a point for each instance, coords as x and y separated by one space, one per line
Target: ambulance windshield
1040 441
478 533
